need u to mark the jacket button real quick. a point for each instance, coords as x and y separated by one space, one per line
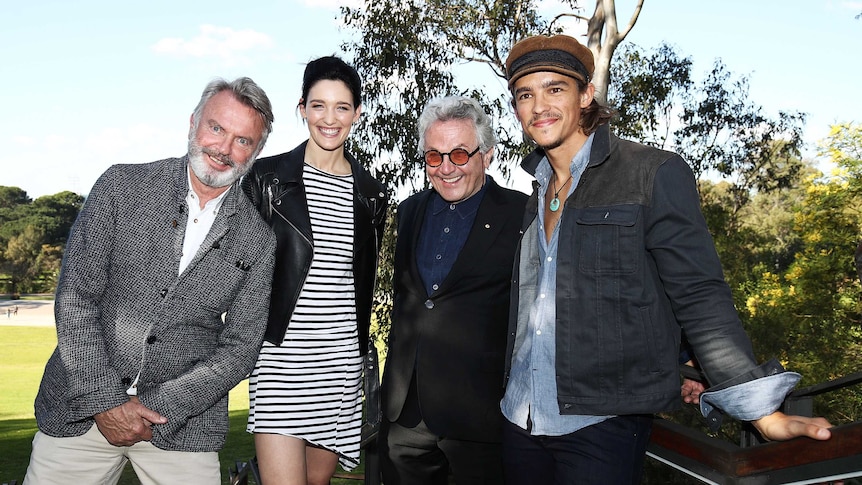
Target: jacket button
429 304
163 292
151 339
275 181
278 202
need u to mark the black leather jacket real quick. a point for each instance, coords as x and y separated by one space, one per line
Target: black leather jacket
275 187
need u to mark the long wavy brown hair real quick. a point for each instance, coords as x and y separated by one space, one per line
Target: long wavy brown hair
593 115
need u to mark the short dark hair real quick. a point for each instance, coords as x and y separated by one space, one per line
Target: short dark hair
331 68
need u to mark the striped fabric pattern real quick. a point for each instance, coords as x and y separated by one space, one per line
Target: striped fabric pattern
309 387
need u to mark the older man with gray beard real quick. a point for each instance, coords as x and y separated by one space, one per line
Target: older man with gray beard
160 308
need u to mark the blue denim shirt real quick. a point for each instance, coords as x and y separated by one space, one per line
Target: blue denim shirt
750 400
443 235
532 389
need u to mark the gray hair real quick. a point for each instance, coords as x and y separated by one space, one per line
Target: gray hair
457 108
246 92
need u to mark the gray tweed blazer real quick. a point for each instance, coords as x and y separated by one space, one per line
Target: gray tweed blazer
122 308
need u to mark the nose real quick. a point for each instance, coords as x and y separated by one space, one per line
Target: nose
329 116
447 166
539 103
224 144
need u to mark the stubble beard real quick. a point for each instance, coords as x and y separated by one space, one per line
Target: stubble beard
552 145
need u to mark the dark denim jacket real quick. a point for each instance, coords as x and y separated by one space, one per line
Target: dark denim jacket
636 264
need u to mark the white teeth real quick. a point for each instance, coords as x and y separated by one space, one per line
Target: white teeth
329 131
452 180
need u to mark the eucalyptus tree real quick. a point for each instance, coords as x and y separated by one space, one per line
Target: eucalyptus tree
409 51
712 123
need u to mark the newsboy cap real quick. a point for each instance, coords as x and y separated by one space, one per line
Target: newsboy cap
557 53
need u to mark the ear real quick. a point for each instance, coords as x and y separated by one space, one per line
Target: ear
356 115
302 108
191 125
587 95
487 157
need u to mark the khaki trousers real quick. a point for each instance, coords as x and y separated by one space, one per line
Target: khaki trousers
90 459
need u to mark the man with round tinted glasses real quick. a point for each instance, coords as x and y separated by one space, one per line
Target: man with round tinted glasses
458 156
453 263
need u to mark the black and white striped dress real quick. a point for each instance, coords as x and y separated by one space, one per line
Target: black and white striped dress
309 387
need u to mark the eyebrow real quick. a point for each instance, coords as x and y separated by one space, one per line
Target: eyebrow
555 82
545 85
337 103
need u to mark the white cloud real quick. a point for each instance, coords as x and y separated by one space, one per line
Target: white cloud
224 43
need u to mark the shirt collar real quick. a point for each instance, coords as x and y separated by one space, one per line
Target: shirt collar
579 163
465 207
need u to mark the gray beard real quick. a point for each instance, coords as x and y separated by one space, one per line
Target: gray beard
210 177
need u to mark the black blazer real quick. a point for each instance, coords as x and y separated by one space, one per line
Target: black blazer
456 337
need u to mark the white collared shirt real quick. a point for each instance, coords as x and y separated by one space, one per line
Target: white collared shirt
198 224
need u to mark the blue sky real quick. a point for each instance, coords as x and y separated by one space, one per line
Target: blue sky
89 83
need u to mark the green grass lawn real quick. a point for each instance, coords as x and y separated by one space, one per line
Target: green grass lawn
23 353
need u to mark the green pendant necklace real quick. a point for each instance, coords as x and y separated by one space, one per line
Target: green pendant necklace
555 202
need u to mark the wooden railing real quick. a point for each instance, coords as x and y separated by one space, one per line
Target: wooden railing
714 460
801 460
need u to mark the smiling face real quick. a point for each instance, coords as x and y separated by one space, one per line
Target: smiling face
453 182
329 112
221 147
548 105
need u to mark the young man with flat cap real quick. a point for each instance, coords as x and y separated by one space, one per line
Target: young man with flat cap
614 262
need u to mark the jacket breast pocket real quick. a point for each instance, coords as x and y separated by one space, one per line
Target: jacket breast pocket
214 285
609 239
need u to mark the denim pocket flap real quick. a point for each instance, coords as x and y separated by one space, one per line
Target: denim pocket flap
624 215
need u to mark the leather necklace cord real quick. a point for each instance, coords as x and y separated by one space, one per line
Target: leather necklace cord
554 205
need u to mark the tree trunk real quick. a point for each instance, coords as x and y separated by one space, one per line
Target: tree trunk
603 37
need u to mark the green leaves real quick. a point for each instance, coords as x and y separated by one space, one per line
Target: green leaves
791 264
32 236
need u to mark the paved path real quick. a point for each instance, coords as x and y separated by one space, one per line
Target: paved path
30 312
